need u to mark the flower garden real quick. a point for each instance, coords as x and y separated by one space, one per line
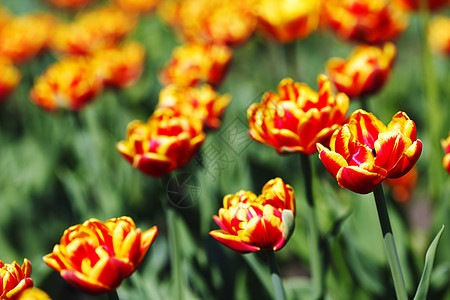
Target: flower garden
206 149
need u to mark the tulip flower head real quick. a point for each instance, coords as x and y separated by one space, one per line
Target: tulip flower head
251 223
71 84
166 142
364 152
364 72
194 63
202 102
446 147
297 118
226 22
137 6
9 77
439 35
14 279
120 66
364 21
287 20
24 37
95 257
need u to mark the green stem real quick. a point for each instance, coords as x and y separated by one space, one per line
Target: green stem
174 252
113 295
389 244
291 60
316 255
433 109
276 277
173 239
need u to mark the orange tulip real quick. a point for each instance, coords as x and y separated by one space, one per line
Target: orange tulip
120 66
201 102
95 257
364 72
249 223
365 21
92 30
193 63
297 118
9 77
137 6
415 4
71 83
287 20
14 279
210 21
402 187
446 147
23 37
33 294
439 35
166 142
70 4
364 152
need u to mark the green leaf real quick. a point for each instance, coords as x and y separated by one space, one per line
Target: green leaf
422 289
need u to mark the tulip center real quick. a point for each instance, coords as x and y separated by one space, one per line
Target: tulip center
374 152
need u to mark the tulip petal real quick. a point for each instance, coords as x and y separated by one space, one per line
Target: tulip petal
332 161
84 283
233 242
359 180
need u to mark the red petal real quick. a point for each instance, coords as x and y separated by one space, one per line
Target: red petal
359 180
233 242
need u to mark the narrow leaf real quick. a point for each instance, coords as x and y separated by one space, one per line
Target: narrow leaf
424 284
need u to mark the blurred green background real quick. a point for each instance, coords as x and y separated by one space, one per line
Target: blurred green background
59 169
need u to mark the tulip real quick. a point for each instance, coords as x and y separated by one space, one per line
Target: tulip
137 6
92 30
33 294
70 4
439 35
364 152
364 72
364 21
9 77
201 102
166 142
194 63
446 147
71 84
95 257
287 20
225 22
14 279
120 66
24 37
297 118
249 223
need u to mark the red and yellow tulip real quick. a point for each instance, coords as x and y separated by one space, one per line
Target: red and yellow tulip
364 72
297 118
194 63
9 77
446 147
71 84
120 66
251 223
166 142
364 21
25 36
226 22
137 6
14 279
439 35
95 257
287 20
364 152
201 102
